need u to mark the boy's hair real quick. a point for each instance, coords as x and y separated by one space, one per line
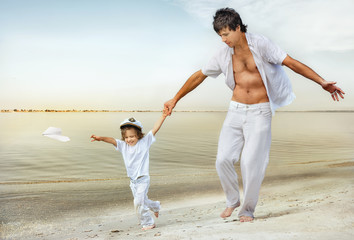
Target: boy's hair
139 134
228 17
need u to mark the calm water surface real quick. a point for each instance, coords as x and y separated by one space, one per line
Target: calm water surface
41 179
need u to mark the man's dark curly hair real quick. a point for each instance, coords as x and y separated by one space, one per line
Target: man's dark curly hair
228 17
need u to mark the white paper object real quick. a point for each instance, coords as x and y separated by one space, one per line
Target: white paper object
55 133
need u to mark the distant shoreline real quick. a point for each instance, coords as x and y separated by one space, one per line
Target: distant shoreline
81 111
78 111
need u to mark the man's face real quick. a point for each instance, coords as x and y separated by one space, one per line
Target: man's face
230 37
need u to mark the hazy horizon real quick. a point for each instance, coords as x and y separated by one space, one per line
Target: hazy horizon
152 110
137 54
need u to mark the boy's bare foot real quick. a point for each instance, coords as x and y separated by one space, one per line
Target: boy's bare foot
148 227
246 219
156 214
227 212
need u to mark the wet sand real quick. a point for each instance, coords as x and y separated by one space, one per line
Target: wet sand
314 204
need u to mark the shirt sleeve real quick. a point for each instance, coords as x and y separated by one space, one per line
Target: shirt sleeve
272 52
150 138
212 68
119 145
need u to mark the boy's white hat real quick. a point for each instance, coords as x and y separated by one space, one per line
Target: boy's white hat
131 122
55 133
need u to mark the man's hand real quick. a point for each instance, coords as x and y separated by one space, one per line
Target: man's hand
333 90
192 82
168 106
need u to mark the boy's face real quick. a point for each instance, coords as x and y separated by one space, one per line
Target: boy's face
131 137
230 37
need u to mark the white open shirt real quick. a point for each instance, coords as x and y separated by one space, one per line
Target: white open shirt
268 58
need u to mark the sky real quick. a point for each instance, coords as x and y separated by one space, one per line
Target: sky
135 55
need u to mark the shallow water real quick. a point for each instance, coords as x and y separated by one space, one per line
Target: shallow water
41 179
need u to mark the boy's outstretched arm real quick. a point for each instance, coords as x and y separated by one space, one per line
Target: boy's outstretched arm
104 139
159 123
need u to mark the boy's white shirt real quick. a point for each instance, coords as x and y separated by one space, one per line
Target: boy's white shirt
136 158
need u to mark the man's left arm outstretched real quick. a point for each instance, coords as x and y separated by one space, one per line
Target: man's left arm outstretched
307 72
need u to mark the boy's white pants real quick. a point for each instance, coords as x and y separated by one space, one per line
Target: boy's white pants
142 203
246 133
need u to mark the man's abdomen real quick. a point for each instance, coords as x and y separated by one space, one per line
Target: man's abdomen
249 89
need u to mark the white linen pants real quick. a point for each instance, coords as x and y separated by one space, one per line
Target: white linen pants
142 203
246 133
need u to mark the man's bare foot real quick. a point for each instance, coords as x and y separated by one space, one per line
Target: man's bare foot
246 219
156 214
227 212
148 227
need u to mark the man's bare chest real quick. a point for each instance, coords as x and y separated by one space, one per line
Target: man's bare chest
243 62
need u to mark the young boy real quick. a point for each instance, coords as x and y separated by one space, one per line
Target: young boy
134 147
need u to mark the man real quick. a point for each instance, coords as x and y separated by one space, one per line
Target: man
252 66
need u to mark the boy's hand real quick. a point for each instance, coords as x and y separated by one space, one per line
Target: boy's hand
165 112
169 105
95 138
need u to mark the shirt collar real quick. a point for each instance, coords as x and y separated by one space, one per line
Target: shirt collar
249 42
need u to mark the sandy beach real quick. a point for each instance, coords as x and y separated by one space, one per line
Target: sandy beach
307 206
55 192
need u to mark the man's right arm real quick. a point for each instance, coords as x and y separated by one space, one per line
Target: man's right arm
192 82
